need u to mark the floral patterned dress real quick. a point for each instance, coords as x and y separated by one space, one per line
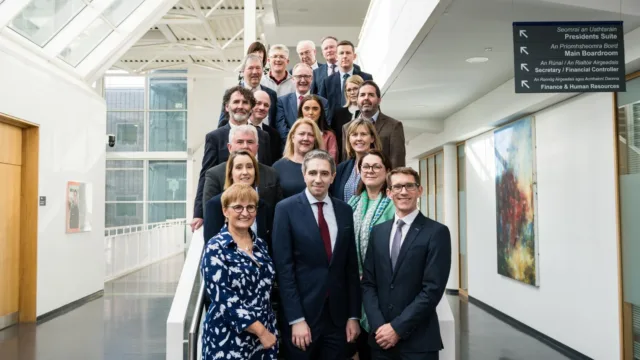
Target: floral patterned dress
239 287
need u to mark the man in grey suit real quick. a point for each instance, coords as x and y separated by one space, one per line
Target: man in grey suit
390 131
269 186
405 273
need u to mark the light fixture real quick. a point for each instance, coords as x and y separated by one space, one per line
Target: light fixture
476 60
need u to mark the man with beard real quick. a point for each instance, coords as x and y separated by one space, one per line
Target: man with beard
288 104
252 72
390 131
238 102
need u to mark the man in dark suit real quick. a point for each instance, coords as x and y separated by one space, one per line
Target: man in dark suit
390 131
316 262
288 104
405 273
332 88
252 75
259 118
239 102
328 45
269 185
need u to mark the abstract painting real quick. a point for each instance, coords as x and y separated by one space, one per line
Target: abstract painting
514 147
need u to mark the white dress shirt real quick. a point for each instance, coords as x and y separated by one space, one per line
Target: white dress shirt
408 220
329 65
342 76
315 65
298 99
329 215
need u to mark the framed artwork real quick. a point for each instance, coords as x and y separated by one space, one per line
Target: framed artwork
78 206
515 181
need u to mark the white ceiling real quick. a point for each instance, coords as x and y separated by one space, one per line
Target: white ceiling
320 13
437 81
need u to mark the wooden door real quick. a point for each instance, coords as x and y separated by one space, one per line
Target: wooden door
10 184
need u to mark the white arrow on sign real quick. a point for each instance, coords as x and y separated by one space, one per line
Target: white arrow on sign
525 83
524 67
523 49
523 33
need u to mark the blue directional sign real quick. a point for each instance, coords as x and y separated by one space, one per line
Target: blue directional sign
553 57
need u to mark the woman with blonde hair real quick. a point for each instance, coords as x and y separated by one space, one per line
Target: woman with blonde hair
242 168
361 137
238 276
303 137
343 115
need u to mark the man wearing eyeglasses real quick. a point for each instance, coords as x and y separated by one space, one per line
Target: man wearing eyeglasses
287 111
405 272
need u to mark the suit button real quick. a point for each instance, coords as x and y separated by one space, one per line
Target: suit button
390 307
391 286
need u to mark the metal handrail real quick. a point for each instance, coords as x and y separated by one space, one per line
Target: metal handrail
195 325
129 229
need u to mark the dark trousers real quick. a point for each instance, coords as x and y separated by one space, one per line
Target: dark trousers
361 347
328 341
394 354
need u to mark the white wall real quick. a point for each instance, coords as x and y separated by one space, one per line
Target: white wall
72 147
577 301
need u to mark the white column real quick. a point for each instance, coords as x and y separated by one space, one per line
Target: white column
249 23
451 208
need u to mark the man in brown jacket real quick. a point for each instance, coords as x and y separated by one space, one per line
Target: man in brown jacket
390 130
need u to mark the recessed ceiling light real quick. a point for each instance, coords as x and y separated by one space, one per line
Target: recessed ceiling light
475 60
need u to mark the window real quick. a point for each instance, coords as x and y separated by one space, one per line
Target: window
95 33
125 112
439 184
167 189
432 178
462 218
41 20
124 193
167 114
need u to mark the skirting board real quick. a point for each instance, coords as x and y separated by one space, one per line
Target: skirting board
556 345
66 308
451 291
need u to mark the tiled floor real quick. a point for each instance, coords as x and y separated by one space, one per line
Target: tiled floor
128 323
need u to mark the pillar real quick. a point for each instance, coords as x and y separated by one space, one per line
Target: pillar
450 158
249 23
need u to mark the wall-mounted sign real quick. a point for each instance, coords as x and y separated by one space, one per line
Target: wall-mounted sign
43 200
553 57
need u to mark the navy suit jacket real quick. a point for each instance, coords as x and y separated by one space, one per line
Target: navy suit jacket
343 171
272 109
214 219
320 74
216 152
288 113
407 296
305 276
331 89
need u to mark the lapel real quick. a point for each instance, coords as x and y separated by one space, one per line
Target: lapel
386 228
304 208
341 227
293 101
416 226
381 122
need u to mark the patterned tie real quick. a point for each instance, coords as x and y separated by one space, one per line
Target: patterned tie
324 230
333 69
300 98
344 84
395 245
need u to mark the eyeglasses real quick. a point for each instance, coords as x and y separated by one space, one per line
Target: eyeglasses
398 187
239 208
374 168
305 77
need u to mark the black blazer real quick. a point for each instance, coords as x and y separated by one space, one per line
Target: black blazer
331 90
305 276
214 219
269 188
216 152
341 116
273 109
407 297
343 171
275 143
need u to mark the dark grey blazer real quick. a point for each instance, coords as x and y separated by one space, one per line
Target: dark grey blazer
407 296
268 189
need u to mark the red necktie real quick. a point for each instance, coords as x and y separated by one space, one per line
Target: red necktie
324 231
300 98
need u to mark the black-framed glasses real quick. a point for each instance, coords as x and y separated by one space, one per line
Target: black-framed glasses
396 188
374 168
239 208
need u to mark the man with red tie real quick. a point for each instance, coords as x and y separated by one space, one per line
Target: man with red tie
316 262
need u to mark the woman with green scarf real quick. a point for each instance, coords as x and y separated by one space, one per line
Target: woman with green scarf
371 207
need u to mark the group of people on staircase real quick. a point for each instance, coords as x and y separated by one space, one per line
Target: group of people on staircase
315 247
